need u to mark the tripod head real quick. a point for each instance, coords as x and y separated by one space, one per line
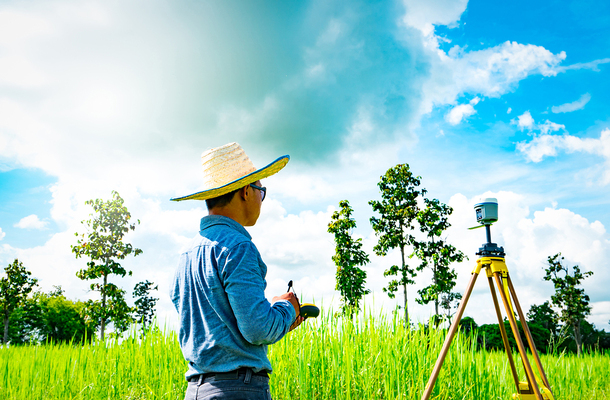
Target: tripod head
490 249
487 213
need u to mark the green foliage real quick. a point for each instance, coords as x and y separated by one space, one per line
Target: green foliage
348 256
50 317
398 210
594 339
549 337
571 300
543 315
145 304
468 325
14 289
436 254
490 337
546 318
103 245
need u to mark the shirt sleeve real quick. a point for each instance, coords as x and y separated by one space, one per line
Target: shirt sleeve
243 277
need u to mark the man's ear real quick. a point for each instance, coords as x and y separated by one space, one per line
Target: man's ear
243 192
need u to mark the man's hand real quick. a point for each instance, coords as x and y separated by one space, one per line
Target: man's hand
292 298
296 323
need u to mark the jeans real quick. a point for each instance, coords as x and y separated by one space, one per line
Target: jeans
245 387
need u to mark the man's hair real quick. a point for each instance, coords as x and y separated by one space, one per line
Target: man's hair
220 201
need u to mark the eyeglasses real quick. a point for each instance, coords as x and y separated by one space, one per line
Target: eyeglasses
262 189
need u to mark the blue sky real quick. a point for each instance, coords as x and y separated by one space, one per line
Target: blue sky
507 100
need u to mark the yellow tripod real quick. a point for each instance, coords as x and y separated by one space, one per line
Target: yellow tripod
492 259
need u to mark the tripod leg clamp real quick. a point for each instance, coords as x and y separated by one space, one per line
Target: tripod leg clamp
493 265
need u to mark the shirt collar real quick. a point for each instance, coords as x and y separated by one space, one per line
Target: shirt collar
212 220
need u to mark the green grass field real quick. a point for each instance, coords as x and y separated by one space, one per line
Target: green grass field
327 358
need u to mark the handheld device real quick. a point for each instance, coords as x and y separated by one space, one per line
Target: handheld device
308 310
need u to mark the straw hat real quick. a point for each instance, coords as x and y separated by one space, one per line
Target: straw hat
227 168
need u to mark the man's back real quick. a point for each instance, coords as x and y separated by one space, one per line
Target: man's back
219 330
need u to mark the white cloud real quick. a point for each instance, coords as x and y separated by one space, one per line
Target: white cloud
18 71
592 65
549 145
540 146
490 72
458 113
462 111
526 121
509 110
575 105
2 234
17 28
31 222
548 126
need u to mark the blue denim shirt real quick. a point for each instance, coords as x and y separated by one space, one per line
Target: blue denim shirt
219 292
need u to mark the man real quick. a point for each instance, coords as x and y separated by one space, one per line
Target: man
226 322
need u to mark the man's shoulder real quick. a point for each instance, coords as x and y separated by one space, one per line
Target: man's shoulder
219 238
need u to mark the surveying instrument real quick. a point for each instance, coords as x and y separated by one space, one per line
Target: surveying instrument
492 260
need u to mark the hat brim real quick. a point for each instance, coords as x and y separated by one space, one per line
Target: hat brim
252 177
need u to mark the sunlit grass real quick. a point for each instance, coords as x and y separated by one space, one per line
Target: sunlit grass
326 358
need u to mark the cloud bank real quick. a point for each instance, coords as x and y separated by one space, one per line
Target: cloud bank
111 95
547 145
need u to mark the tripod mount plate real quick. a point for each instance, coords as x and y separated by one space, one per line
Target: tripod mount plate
491 250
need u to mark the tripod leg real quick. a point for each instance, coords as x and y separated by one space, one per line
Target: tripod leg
448 339
509 354
528 334
505 339
513 324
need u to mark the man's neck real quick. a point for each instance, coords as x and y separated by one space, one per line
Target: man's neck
228 212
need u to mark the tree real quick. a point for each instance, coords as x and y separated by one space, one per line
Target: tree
145 304
103 245
14 289
348 257
398 211
490 335
468 325
436 254
50 317
571 300
546 318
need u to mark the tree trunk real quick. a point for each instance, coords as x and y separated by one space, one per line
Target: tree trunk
404 285
5 328
437 294
434 277
103 321
578 338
